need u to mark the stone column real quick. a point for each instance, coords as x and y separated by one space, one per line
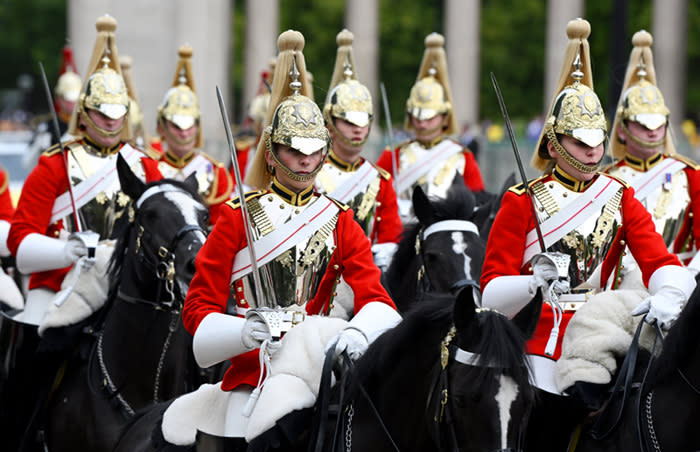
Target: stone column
206 26
262 30
669 28
559 13
462 44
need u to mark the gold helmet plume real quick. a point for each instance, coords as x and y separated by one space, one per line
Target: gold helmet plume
104 89
180 104
293 118
431 94
575 110
135 112
347 99
641 99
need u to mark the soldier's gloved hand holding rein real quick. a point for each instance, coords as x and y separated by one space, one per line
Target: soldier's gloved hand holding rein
255 331
350 340
544 273
670 287
383 253
75 248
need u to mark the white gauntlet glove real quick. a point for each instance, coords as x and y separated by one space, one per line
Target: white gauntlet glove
670 287
545 273
351 340
255 331
383 253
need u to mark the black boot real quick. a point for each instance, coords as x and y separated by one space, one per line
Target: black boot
212 443
590 396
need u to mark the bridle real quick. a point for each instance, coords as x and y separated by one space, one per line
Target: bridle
424 279
443 426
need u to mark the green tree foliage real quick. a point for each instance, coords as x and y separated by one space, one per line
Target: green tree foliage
33 31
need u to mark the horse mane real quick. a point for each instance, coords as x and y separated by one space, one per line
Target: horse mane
116 262
680 342
418 335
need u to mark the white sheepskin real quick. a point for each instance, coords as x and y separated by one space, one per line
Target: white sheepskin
87 296
295 373
203 409
9 292
599 332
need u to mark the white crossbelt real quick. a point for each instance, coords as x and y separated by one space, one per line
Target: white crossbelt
571 216
655 177
197 163
408 175
356 183
285 237
86 190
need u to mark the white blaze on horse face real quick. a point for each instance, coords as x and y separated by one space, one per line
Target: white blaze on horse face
506 395
189 209
459 246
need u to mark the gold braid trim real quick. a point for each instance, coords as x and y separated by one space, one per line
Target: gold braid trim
315 245
260 219
549 204
368 200
605 222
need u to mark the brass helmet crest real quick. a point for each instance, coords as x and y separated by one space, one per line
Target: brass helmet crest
180 104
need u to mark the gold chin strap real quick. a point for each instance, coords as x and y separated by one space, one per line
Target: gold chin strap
587 169
344 139
102 132
291 174
639 141
440 126
177 140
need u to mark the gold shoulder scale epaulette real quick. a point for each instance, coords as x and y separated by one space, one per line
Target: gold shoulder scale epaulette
235 203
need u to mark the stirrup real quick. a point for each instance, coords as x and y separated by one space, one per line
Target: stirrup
206 442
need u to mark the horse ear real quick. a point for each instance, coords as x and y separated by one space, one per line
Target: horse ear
460 190
191 182
421 206
130 183
526 319
465 310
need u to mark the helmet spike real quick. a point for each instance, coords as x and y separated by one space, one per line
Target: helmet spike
295 84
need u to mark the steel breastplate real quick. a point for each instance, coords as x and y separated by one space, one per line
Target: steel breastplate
107 212
588 243
363 204
438 179
295 275
205 174
667 203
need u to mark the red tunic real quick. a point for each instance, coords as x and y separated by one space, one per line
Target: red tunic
209 290
471 174
387 223
7 209
47 181
506 246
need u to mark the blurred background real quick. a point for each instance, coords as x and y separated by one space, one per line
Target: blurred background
520 41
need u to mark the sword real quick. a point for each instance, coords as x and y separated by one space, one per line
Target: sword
387 117
241 196
528 190
57 131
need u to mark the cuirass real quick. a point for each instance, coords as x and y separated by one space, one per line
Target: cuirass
588 243
363 204
438 180
667 203
107 212
295 275
205 173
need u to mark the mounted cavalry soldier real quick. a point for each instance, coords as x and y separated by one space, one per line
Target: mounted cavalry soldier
346 176
10 296
569 251
302 242
40 236
666 183
179 126
431 160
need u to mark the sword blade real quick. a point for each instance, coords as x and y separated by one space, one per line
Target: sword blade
241 196
390 133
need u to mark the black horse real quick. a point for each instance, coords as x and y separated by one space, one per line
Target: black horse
140 354
441 252
664 398
450 376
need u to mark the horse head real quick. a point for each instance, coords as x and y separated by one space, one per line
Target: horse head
485 373
167 229
448 244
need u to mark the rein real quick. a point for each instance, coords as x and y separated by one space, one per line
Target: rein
424 279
